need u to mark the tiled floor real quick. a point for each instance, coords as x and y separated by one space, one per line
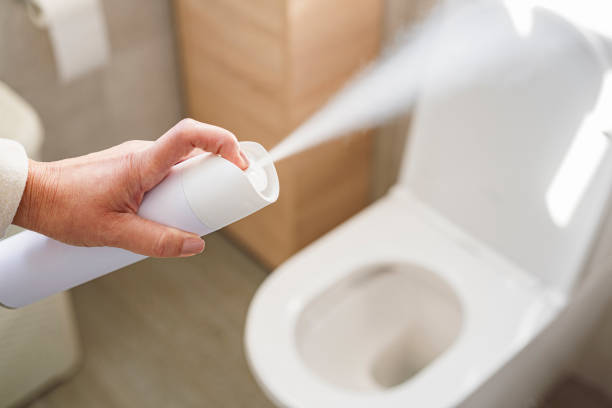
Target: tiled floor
166 333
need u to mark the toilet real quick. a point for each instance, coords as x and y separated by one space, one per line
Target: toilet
470 280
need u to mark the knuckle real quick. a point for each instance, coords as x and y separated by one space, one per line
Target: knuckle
184 130
136 145
226 134
229 137
133 171
165 245
186 124
131 143
226 140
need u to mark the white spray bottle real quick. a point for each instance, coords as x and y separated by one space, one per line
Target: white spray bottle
200 195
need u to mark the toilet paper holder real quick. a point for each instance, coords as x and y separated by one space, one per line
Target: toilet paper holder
78 34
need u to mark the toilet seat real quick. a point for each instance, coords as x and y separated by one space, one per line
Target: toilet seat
398 228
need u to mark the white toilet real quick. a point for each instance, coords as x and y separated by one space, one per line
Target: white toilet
456 288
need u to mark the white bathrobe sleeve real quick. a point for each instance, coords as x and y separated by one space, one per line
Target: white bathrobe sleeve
13 176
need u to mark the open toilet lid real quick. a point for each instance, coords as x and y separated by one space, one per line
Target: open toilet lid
510 147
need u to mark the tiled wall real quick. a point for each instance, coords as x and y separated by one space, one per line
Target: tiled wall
135 97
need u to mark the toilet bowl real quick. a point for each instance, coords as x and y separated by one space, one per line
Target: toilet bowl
396 323
432 293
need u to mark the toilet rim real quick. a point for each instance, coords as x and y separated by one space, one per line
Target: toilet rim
271 321
289 382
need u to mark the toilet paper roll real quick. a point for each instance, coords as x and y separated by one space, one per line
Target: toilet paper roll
78 34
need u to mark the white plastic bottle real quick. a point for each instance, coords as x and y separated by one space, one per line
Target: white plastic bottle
200 195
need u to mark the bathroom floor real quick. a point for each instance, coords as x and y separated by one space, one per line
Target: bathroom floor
165 333
574 393
168 333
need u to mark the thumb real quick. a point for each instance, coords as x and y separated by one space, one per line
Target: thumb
149 238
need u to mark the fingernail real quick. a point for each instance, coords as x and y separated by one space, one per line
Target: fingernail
192 246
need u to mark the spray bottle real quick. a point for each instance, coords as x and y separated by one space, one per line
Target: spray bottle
199 195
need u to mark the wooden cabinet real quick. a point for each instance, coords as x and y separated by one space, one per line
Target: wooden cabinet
260 68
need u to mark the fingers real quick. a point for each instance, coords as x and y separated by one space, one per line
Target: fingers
149 238
189 134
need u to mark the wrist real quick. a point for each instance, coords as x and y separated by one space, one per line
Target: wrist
38 196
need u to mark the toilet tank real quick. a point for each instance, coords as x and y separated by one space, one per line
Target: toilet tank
508 139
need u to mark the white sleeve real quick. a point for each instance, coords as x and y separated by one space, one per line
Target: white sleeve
13 176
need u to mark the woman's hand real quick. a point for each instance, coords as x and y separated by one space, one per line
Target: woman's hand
93 200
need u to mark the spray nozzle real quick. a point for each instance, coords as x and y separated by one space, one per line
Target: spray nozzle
257 176
260 163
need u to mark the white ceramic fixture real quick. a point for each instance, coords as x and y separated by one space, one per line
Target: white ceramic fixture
467 284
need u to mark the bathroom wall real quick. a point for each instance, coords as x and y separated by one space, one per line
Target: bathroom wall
135 97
